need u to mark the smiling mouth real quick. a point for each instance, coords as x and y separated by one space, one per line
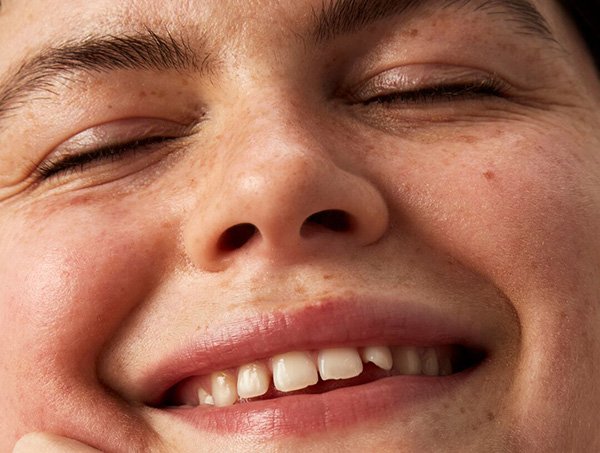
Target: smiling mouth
328 365
317 372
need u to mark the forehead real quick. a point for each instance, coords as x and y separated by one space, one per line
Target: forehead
26 28
220 17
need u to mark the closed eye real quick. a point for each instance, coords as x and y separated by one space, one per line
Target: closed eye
441 93
79 162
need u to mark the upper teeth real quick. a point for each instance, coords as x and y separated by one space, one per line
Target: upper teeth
293 371
253 380
300 369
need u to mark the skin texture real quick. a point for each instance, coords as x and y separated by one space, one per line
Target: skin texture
483 208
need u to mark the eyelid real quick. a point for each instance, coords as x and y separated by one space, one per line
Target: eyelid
110 141
118 132
418 77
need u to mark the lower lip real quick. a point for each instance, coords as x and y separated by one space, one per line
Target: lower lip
300 415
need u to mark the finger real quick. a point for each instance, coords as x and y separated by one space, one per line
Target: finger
50 443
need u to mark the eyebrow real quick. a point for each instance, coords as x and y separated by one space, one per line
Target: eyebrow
341 17
147 50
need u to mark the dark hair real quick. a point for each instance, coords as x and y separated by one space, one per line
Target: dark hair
587 19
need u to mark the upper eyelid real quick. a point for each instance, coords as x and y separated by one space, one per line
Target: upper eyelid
438 94
415 77
115 134
51 168
129 128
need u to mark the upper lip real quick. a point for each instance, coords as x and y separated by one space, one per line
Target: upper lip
325 323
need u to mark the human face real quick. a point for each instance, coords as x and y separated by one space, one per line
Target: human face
424 178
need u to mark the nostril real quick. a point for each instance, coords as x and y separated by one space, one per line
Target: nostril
331 219
236 236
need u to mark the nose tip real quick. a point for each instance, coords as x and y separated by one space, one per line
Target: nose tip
285 210
272 232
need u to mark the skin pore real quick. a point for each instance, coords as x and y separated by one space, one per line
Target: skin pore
453 146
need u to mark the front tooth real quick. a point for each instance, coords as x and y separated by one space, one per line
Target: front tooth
431 366
339 363
407 360
379 355
223 389
205 398
253 380
293 371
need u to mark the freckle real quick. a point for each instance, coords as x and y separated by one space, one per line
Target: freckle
414 32
563 315
489 175
467 138
490 416
143 94
462 410
299 289
327 277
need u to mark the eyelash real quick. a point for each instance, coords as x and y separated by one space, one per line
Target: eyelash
78 162
489 88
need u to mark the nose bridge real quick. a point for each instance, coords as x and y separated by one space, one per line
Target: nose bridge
280 170
282 193
283 168
280 135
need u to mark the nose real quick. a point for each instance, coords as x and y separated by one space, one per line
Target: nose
282 200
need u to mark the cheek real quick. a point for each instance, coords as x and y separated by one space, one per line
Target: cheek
67 288
519 211
523 213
